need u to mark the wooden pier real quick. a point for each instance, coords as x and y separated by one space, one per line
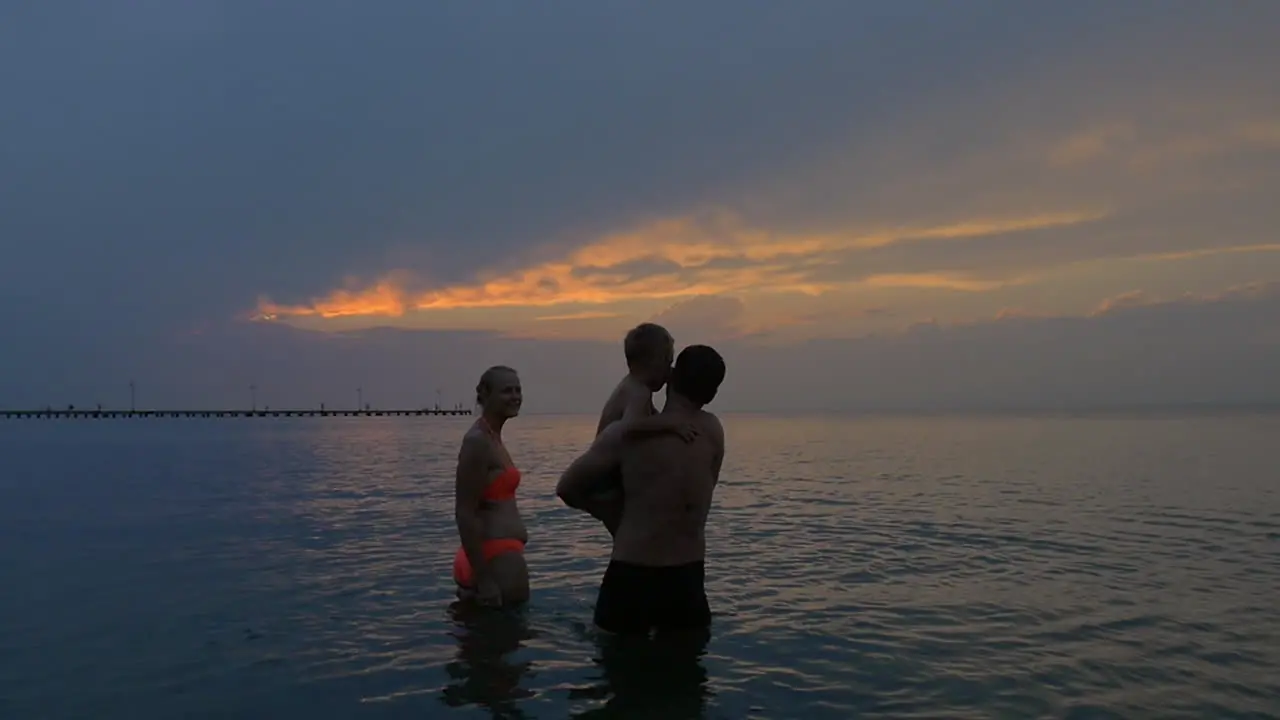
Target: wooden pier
139 414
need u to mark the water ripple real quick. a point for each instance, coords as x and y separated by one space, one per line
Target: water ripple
874 567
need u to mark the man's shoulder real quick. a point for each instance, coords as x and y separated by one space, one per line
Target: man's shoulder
711 423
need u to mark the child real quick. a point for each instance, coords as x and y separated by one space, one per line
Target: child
649 350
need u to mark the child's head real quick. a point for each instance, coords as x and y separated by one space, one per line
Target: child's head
650 350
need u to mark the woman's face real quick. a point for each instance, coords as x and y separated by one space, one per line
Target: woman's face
505 395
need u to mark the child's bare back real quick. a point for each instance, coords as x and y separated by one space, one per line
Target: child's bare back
649 351
630 399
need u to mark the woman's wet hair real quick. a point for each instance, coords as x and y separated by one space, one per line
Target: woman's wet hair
485 386
698 373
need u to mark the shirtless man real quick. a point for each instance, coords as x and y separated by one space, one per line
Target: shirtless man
655 576
649 350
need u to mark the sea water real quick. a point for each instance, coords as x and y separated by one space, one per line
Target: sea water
878 566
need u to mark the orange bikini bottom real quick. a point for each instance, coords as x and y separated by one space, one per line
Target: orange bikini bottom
462 573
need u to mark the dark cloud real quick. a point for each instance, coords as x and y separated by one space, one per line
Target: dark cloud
1195 350
1202 223
280 147
703 319
161 164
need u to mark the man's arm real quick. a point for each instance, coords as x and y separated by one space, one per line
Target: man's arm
605 507
584 474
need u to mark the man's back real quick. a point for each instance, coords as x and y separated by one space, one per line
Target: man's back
656 579
669 484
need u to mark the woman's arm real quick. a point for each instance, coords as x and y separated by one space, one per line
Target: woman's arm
471 480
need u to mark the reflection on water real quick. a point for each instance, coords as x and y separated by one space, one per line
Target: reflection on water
957 567
634 677
483 672
646 677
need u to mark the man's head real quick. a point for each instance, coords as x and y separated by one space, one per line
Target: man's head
697 375
649 349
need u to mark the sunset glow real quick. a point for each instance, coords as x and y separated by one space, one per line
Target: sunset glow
679 258
412 191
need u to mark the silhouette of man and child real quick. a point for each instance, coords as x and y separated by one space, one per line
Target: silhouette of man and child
648 477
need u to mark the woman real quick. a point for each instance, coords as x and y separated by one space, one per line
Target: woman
489 566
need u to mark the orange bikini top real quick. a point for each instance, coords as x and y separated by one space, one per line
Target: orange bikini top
504 486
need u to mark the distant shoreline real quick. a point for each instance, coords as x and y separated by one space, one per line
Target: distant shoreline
1082 411
1116 411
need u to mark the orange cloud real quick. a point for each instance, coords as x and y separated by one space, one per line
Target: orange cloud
671 259
1206 252
935 281
1147 148
1089 144
1260 135
1131 299
588 315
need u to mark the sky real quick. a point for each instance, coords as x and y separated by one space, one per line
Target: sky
863 204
